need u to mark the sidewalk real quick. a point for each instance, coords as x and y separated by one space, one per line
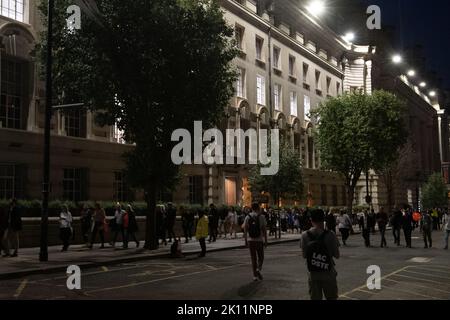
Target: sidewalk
28 261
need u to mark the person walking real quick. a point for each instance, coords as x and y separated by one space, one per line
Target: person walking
319 247
161 224
382 221
186 223
99 218
171 216
255 236
365 222
118 224
407 225
65 227
446 225
396 222
13 228
344 225
232 223
201 232
3 228
330 222
86 223
426 226
213 219
435 218
131 226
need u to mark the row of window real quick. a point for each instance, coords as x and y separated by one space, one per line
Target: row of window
277 94
75 184
14 9
276 63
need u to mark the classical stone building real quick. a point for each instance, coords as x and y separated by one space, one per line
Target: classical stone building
289 62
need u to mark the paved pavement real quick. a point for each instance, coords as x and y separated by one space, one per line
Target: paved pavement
28 263
412 274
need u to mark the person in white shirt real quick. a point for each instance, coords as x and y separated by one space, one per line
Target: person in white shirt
65 227
446 224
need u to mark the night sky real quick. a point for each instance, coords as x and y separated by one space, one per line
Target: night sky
421 22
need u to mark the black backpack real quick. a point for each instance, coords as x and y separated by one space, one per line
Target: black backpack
317 256
254 229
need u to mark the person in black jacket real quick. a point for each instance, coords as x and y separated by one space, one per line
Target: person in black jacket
407 225
171 219
14 226
3 228
330 221
396 222
132 227
213 219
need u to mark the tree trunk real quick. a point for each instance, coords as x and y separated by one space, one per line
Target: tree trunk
151 232
390 191
350 198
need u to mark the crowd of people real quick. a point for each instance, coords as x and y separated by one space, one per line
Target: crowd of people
226 223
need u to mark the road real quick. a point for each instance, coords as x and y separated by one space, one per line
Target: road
407 274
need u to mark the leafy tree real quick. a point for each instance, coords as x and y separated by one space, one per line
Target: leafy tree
287 183
358 132
435 192
151 67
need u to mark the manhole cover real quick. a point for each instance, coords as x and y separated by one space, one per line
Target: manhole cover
420 260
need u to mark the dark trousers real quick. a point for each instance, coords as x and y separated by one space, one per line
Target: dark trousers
130 235
119 229
396 233
98 228
85 231
65 234
383 238
2 235
323 284
345 233
427 238
202 242
257 255
366 236
170 232
213 232
407 233
187 230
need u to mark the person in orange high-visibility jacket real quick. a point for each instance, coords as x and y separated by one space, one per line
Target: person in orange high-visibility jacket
201 232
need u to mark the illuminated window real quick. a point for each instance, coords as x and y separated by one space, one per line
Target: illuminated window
14 9
307 104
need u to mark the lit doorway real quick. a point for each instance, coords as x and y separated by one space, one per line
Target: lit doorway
230 191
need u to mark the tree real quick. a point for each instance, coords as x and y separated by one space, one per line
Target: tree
151 67
358 132
435 193
287 183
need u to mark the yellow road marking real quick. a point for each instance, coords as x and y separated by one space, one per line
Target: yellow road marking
411 292
426 274
417 278
161 279
365 286
21 288
418 285
105 269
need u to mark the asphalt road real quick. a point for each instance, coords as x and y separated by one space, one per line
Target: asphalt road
407 274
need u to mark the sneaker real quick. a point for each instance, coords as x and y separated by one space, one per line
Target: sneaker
260 277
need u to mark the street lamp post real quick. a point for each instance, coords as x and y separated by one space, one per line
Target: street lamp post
43 254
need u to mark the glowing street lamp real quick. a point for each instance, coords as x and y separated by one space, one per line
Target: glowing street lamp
411 73
316 7
423 84
397 59
432 93
349 36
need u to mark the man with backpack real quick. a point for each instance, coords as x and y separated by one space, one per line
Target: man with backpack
255 235
319 247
